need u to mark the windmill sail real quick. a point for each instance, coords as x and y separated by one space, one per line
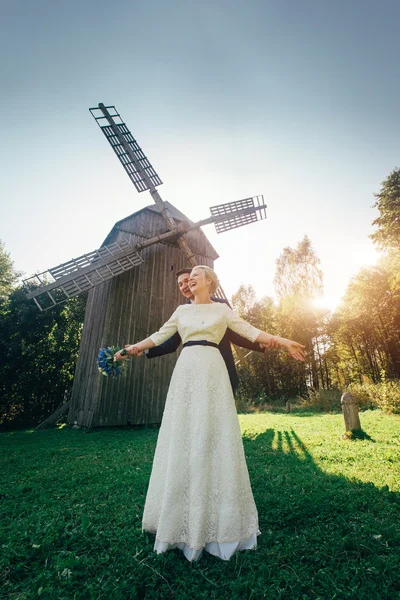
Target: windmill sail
236 214
79 275
130 154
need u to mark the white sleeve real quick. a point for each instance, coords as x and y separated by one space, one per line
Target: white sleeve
240 326
167 330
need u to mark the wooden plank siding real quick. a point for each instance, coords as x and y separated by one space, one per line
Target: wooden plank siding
125 310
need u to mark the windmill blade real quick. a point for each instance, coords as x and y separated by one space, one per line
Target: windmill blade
89 270
135 163
130 154
79 275
237 214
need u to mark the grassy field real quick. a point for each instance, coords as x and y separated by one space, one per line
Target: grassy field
71 504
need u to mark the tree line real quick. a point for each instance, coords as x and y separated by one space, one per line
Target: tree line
38 351
359 344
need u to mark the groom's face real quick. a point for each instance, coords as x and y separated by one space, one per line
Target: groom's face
183 284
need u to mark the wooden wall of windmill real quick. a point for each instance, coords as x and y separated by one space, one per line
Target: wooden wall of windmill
124 310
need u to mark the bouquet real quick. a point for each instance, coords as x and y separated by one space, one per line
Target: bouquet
106 362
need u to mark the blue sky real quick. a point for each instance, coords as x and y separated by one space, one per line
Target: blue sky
294 100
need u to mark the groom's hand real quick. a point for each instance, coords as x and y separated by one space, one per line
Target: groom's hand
120 355
272 343
134 350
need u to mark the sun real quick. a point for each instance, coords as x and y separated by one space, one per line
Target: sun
327 302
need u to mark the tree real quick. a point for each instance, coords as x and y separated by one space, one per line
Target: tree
244 299
366 328
298 272
38 353
298 280
260 374
8 275
387 235
391 262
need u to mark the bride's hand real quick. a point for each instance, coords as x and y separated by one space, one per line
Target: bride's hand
295 350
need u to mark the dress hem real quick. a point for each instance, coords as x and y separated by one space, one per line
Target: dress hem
223 550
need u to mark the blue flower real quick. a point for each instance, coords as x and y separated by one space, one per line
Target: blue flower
106 364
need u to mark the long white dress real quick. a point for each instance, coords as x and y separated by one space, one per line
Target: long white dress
199 495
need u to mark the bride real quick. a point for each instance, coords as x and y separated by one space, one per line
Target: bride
199 495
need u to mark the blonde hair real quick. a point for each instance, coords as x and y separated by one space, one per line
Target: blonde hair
209 274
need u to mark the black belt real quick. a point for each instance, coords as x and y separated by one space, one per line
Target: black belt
200 343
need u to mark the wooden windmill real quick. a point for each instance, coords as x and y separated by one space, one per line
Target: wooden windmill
131 287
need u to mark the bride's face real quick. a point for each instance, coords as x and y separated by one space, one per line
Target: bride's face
198 281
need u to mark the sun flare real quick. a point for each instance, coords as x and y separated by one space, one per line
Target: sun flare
327 302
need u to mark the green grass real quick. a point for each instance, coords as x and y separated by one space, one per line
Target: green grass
71 504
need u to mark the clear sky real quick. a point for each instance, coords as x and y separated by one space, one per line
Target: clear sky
298 101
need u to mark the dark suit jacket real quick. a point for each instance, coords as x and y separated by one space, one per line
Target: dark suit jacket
173 343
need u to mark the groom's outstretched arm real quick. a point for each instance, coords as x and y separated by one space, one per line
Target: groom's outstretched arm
238 340
167 347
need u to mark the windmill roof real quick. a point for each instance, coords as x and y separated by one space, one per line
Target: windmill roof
175 213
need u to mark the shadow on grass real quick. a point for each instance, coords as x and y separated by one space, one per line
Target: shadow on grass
358 434
322 535
326 532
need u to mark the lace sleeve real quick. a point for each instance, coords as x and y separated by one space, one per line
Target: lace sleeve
238 325
167 330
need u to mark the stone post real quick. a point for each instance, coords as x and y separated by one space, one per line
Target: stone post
350 413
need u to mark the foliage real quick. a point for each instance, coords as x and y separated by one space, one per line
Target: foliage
365 330
8 275
298 281
244 300
272 374
391 262
72 505
387 235
38 352
353 347
384 395
275 376
321 400
298 272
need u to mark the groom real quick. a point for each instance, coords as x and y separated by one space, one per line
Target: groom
173 343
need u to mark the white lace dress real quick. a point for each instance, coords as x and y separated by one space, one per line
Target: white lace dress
199 496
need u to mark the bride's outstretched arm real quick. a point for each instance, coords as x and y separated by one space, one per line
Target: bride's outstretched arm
136 349
163 334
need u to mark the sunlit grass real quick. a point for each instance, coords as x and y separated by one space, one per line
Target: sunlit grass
71 505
